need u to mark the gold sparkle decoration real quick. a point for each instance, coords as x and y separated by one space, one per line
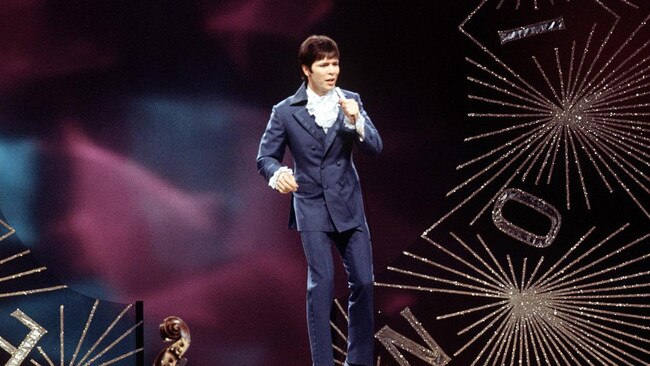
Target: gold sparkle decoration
22 274
588 114
587 308
94 354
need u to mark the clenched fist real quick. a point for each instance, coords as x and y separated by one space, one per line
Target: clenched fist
350 108
286 183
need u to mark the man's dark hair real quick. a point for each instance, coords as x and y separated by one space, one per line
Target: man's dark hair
316 48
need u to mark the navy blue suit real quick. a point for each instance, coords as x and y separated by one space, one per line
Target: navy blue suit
327 208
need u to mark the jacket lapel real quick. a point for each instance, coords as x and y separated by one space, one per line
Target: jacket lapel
333 131
303 117
307 122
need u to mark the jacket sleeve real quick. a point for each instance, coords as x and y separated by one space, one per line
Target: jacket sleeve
272 146
371 143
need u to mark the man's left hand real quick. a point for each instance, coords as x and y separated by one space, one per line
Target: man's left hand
350 108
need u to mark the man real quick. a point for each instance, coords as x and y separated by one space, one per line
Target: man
321 124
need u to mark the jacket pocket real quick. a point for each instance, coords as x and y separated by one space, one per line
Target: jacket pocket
307 190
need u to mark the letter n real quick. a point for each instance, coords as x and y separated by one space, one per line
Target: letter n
432 354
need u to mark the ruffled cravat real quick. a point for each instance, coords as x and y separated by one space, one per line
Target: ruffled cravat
325 109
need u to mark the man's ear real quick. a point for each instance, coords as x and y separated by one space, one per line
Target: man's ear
306 70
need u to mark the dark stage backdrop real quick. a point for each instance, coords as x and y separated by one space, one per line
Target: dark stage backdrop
508 210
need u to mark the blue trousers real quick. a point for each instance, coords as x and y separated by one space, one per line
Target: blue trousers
355 250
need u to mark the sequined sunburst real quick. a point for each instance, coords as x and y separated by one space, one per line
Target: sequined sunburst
586 307
93 354
590 112
21 274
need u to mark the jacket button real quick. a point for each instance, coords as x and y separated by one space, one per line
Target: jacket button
313 148
325 187
338 163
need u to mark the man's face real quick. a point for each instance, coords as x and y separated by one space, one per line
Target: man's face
322 76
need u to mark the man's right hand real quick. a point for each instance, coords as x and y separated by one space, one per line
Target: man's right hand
286 183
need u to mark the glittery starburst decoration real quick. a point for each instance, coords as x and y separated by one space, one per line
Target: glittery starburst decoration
22 274
585 307
12 258
589 113
94 355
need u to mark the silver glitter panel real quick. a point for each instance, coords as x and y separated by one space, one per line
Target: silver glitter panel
530 30
537 204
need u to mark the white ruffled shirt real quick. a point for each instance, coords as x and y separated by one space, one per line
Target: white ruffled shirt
325 110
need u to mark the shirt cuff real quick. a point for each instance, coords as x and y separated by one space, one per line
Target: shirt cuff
359 126
273 182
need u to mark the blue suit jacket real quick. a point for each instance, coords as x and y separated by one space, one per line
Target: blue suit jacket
329 194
